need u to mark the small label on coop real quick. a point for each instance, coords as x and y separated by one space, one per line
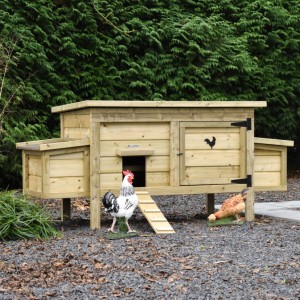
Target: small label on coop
133 146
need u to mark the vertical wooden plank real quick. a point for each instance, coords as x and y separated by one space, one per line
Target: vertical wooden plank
181 154
210 204
249 210
86 170
94 175
283 169
46 172
243 161
62 128
66 209
25 170
174 154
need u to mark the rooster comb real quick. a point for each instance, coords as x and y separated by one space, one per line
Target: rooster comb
128 172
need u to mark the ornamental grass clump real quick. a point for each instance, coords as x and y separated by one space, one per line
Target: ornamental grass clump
22 219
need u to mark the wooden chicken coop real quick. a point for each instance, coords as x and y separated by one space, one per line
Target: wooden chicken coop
172 148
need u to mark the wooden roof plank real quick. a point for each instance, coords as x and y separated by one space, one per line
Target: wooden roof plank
162 104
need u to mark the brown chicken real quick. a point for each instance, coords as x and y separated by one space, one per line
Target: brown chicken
231 207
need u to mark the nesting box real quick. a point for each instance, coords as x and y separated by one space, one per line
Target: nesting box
270 164
56 168
172 148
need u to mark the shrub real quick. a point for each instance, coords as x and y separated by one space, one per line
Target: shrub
22 219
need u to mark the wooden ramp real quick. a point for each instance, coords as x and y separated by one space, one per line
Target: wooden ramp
153 214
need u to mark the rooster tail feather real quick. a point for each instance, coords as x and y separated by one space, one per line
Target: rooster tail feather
109 201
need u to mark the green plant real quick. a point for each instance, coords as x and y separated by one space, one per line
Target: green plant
22 219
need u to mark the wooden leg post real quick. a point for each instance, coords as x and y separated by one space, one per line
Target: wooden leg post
95 178
249 210
66 209
210 203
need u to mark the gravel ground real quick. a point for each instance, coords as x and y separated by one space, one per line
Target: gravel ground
260 260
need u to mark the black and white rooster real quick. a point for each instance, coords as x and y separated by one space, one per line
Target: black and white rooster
125 204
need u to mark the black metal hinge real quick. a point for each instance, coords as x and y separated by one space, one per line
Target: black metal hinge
247 180
246 124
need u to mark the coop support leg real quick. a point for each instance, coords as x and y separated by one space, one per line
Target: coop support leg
210 203
249 210
66 209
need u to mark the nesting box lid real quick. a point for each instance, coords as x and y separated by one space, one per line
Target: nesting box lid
167 104
52 144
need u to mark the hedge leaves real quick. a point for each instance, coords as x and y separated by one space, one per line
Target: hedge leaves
67 51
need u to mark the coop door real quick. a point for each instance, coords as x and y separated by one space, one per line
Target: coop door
211 153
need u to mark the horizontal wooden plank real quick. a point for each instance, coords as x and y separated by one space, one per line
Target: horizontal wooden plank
212 172
111 181
212 158
114 180
76 133
285 143
56 196
224 140
125 104
53 144
139 115
281 187
158 164
158 219
65 168
262 152
151 210
67 156
207 125
157 179
202 181
135 151
208 130
267 163
35 144
132 131
111 164
145 201
65 184
267 179
163 229
67 144
108 148
180 190
76 120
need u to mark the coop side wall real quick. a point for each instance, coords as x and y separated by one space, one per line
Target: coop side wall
270 168
32 173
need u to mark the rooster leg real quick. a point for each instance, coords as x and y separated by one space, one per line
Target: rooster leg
113 225
237 218
129 229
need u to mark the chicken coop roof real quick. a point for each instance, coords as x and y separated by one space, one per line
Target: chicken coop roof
167 104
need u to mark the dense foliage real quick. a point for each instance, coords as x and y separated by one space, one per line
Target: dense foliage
22 219
66 50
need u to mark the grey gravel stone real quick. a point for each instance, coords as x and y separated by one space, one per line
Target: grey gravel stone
251 261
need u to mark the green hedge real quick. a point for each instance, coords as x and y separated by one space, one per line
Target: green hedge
66 51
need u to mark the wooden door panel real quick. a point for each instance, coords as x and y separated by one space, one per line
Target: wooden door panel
212 153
